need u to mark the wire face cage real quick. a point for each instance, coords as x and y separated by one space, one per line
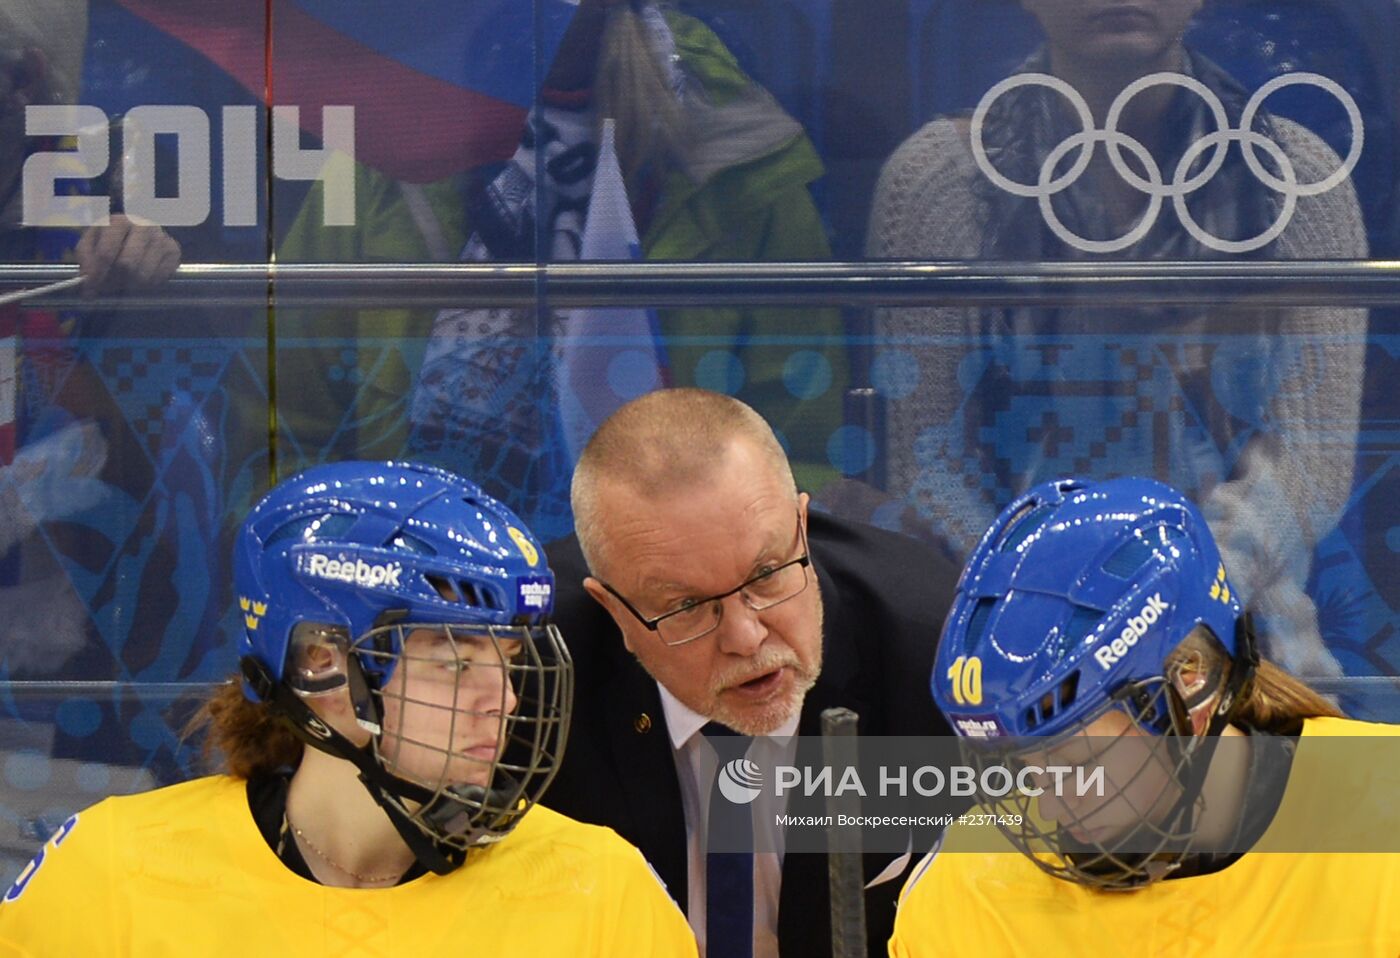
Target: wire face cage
476 716
1115 803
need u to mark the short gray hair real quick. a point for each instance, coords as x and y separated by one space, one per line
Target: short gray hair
658 444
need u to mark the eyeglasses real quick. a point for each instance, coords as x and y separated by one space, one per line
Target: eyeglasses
697 618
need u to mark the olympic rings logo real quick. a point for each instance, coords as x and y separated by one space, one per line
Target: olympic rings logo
1181 186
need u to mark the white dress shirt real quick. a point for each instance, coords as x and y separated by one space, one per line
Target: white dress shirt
696 769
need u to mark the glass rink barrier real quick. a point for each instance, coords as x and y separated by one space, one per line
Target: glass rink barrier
948 250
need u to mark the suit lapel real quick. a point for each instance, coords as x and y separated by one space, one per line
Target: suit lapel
838 685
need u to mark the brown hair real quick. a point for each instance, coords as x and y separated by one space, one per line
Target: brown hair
1272 700
1275 701
241 737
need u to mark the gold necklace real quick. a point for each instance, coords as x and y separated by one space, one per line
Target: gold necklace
366 879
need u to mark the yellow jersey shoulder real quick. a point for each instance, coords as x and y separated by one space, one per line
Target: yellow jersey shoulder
972 903
141 865
545 839
1333 727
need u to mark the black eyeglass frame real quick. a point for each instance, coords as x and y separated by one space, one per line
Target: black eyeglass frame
804 560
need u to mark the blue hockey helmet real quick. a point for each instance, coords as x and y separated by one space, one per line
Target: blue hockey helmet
1078 591
1081 598
338 571
345 543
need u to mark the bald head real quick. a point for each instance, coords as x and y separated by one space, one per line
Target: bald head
659 446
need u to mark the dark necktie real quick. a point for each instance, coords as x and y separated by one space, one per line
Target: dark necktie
728 874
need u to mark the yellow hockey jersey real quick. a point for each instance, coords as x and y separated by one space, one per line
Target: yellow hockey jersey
184 871
1334 905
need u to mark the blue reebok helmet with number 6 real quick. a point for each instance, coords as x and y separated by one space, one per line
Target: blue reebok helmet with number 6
342 543
338 569
1072 600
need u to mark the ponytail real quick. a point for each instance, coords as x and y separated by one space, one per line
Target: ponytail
1271 700
244 738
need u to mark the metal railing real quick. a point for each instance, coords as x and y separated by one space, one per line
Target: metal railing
1277 283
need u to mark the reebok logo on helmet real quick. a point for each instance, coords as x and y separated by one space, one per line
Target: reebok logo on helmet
1110 652
358 572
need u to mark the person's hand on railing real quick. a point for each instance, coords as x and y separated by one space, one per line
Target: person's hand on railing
125 256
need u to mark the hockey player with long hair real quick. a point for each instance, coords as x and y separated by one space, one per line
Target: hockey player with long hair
402 706
1096 630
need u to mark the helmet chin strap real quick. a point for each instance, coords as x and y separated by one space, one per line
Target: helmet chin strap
386 789
451 809
1242 669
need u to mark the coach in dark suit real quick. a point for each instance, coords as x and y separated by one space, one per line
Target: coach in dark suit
679 498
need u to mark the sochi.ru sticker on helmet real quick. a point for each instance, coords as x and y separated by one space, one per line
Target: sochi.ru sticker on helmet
535 595
979 726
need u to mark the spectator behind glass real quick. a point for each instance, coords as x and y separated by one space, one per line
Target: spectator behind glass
1252 411
715 170
51 457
